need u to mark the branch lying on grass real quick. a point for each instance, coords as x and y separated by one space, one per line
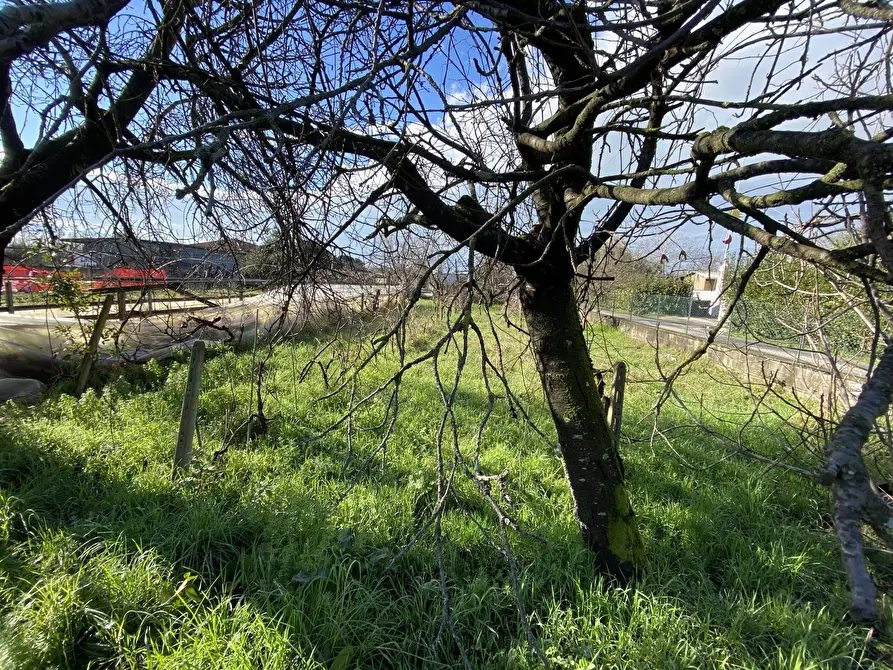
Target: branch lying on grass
855 500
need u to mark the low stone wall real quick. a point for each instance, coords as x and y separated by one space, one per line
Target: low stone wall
757 366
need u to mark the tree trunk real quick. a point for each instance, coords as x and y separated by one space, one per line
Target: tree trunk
591 461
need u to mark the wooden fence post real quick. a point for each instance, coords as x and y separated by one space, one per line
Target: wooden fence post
10 301
615 408
122 305
93 345
149 306
189 412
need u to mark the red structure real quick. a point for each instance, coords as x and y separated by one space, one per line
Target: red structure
25 279
129 277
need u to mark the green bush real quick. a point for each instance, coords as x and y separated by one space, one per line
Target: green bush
790 303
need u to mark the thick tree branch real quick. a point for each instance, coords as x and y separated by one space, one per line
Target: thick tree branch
854 497
875 223
835 144
13 148
866 11
23 28
815 255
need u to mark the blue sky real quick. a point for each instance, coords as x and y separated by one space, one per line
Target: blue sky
731 81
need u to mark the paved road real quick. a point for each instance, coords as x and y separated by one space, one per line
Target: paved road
33 341
57 315
700 327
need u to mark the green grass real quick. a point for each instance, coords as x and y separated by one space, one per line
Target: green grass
252 562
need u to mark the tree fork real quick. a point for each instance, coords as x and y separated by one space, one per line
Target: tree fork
592 462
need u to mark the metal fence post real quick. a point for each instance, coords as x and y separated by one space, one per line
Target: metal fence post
10 301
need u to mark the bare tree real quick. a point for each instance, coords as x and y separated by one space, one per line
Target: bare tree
75 77
567 123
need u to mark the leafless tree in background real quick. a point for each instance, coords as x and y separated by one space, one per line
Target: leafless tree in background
348 122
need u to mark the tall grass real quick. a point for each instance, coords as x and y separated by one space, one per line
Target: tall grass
252 561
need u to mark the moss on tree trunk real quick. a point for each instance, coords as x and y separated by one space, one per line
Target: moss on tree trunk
591 462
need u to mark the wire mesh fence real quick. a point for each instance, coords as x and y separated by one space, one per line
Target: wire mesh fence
661 305
682 313
839 331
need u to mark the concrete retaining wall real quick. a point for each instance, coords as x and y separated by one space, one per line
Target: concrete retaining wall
757 366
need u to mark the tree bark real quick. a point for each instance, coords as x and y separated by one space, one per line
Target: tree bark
592 463
58 160
854 497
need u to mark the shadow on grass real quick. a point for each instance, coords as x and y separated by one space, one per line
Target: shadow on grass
739 568
292 563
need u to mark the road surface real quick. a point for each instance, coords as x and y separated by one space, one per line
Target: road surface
699 327
35 342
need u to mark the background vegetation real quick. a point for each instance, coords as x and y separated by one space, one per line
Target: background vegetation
792 303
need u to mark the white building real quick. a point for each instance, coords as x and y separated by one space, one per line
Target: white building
707 288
